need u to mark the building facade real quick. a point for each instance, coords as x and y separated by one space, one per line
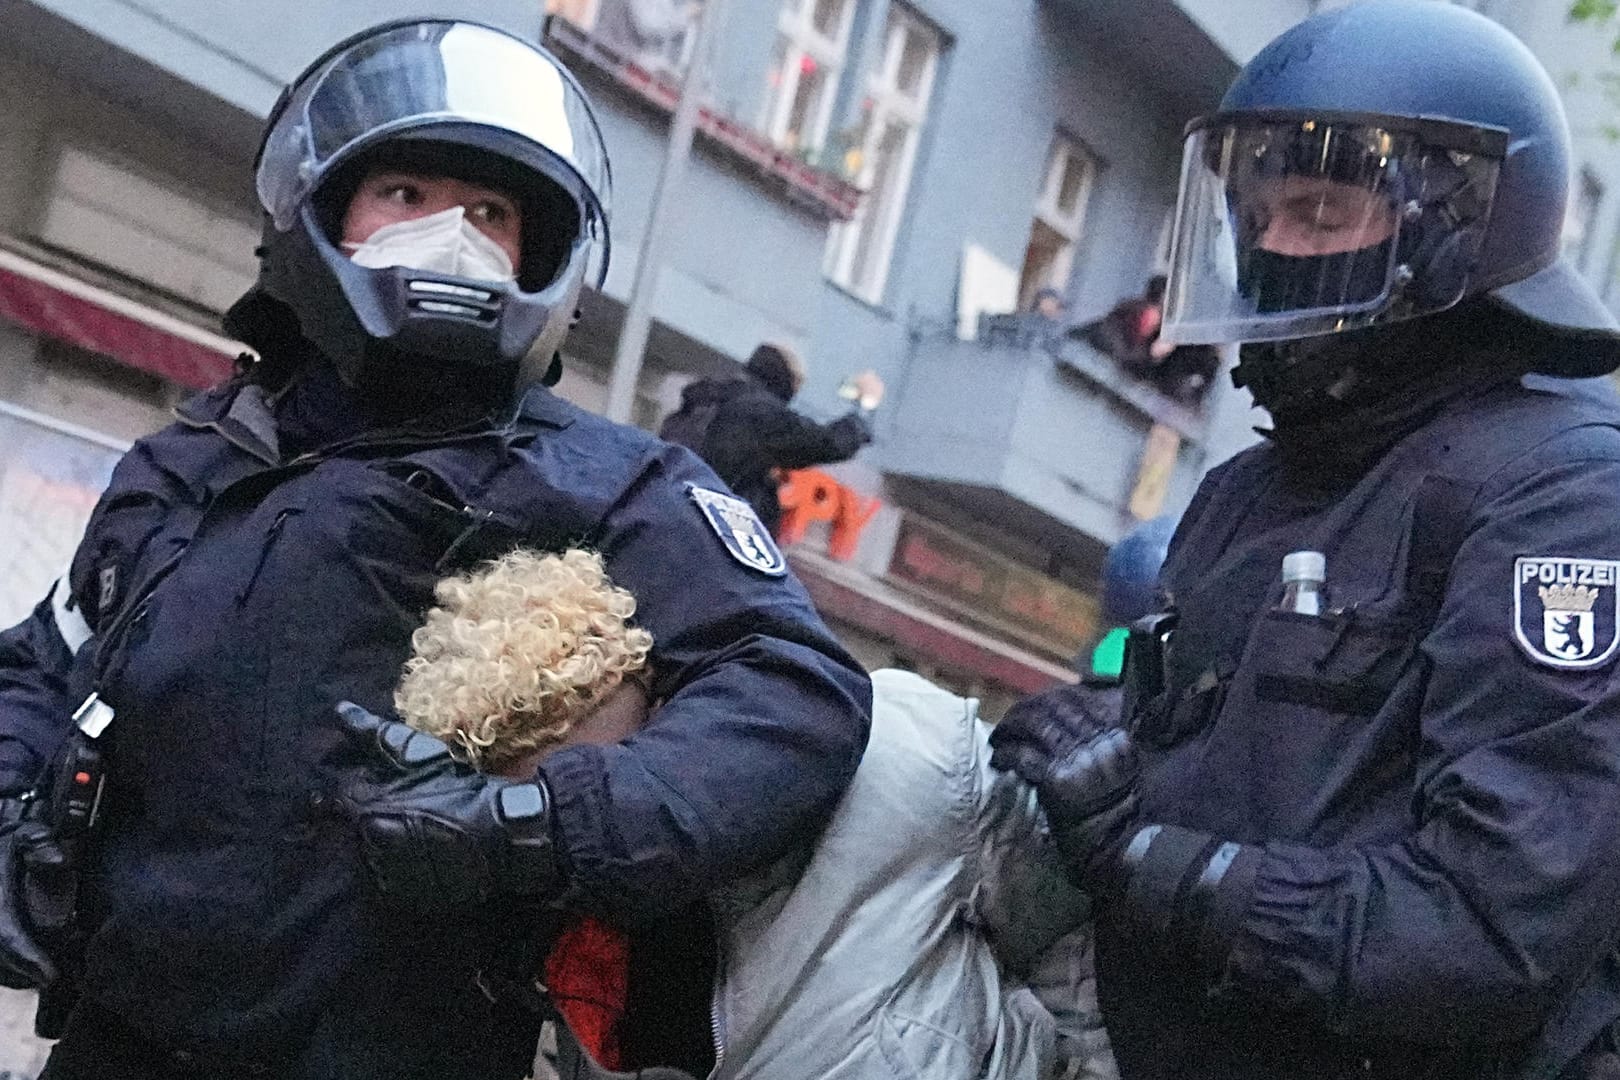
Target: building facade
884 184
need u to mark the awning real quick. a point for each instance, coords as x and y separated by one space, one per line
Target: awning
845 594
58 305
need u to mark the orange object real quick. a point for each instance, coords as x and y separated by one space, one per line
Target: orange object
810 495
806 495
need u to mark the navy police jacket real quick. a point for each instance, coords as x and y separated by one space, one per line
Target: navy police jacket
1432 766
233 599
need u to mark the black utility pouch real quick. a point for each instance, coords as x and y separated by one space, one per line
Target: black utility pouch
1344 661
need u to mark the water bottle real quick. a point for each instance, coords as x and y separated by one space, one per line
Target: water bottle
1304 574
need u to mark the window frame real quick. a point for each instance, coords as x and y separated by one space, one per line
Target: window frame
1069 226
889 104
1588 194
796 32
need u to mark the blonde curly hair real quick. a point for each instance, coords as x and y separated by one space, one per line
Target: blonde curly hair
516 653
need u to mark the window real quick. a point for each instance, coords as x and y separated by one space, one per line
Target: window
891 122
1060 210
809 55
1582 216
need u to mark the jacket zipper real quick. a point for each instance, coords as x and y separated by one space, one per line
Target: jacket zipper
107 648
270 536
717 1021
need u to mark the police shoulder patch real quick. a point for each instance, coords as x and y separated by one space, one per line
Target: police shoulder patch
740 530
1565 613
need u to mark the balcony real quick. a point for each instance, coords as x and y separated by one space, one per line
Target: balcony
1042 435
658 87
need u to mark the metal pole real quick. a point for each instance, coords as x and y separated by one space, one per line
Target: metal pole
632 347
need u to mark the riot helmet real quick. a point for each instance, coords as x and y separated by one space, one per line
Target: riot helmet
446 98
1375 164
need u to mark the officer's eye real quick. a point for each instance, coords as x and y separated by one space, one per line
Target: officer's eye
400 191
498 213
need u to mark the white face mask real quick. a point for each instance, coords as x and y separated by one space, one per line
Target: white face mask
442 243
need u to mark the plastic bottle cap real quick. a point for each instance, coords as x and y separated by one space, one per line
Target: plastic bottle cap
1304 566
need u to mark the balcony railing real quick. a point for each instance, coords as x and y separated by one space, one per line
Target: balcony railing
1079 358
658 87
1045 420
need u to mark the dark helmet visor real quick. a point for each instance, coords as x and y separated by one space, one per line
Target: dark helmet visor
1292 226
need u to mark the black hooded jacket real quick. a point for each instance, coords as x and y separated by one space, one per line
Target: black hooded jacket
745 429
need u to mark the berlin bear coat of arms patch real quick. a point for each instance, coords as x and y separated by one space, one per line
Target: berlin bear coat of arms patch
1565 610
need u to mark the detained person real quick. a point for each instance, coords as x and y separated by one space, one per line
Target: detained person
931 923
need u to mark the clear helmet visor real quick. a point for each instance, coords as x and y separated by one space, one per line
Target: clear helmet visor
417 76
1289 228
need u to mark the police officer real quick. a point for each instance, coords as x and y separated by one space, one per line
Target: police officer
1377 840
272 890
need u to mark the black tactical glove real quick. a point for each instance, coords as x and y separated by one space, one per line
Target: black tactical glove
1067 744
436 833
1186 891
24 964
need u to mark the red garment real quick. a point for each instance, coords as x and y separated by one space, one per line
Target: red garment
588 974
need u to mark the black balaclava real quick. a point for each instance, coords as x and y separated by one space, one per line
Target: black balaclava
1293 282
315 407
1339 400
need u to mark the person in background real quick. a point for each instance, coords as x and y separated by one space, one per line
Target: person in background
1130 335
1130 589
1049 304
748 432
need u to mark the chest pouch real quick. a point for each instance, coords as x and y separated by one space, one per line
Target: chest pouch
1343 662
470 533
1349 661
1158 712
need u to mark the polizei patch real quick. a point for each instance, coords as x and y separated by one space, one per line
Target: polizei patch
740 529
1564 610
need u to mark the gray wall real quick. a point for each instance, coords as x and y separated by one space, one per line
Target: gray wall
242 51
